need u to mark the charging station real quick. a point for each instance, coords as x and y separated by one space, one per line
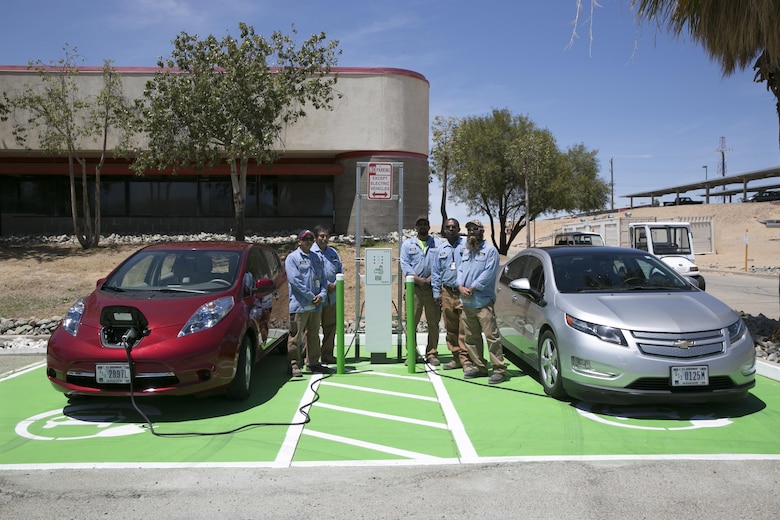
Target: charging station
378 280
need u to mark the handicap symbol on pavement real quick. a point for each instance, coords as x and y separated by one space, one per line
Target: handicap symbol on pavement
87 421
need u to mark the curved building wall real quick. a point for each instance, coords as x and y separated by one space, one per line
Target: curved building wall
380 116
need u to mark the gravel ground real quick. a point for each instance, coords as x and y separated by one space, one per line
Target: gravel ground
21 335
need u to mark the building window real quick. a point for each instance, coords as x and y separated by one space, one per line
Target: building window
305 196
113 198
164 198
216 196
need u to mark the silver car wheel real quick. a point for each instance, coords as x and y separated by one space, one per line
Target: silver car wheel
550 366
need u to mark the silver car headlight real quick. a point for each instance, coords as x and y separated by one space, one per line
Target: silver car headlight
207 316
604 333
737 331
73 318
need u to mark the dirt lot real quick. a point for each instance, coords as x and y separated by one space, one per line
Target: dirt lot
44 280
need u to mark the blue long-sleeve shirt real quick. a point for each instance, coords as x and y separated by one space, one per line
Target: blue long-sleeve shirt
305 279
446 264
415 260
331 263
478 270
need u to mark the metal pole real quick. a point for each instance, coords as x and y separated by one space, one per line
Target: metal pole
340 323
612 184
358 234
400 241
411 330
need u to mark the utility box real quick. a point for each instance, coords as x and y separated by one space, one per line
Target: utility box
379 301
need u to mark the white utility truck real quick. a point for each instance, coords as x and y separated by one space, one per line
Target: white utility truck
671 241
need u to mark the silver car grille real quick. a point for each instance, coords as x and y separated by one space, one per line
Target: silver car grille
686 345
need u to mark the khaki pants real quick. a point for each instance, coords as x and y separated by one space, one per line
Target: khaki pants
423 300
475 323
304 325
328 320
452 310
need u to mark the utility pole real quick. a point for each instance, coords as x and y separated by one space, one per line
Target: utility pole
611 185
722 166
705 172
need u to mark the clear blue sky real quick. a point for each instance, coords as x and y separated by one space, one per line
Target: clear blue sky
656 105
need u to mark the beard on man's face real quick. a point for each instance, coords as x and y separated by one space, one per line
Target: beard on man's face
473 242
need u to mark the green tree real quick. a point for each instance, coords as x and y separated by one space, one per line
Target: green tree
507 168
65 121
230 99
441 156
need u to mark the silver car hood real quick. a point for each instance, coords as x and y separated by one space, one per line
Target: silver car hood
649 311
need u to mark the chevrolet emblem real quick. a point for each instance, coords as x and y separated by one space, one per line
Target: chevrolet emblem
682 343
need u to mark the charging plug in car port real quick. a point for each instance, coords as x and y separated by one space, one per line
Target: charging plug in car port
122 326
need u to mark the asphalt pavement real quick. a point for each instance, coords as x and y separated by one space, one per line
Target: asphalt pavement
752 293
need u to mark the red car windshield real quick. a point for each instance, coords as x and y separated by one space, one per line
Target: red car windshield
176 270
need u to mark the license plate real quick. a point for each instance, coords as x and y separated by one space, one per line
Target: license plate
690 376
113 374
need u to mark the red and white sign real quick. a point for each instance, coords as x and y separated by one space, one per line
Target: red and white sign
380 181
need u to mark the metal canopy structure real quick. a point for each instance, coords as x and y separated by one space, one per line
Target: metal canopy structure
741 179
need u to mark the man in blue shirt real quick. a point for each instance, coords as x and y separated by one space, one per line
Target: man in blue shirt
307 287
331 263
416 257
477 285
445 291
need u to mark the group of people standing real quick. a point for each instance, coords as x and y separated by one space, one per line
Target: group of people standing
453 277
311 278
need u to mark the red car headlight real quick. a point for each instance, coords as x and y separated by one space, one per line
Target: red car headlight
73 318
207 316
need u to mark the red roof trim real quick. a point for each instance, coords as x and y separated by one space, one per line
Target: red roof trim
344 71
17 166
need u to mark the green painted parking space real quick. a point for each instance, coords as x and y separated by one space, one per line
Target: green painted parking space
376 414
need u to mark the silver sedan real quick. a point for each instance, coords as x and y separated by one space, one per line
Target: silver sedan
616 325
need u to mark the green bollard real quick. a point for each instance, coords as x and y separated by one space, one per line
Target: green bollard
411 330
340 323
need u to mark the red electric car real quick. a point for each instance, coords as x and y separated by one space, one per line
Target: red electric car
175 318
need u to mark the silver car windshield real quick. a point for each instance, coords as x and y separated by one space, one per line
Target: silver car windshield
594 270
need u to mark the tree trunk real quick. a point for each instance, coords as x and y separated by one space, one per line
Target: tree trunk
443 206
238 182
95 238
73 206
86 240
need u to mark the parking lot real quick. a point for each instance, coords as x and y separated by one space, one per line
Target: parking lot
377 414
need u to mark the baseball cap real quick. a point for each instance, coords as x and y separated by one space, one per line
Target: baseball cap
422 218
304 233
474 223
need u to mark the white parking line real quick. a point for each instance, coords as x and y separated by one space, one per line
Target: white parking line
378 415
465 447
19 371
287 451
371 446
375 391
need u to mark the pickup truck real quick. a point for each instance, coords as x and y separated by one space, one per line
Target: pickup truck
679 201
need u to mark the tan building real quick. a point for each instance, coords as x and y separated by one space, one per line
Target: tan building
382 116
